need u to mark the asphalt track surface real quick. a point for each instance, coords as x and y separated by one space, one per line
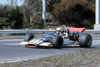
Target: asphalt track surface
12 51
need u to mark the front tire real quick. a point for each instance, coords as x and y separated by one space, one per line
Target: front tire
85 40
57 42
28 37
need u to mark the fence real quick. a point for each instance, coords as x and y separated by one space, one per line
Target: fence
37 31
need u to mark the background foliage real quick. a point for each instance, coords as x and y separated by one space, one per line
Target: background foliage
75 13
11 17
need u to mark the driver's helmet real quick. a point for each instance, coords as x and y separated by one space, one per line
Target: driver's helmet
61 29
58 30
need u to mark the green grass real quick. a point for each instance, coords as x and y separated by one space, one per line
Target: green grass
9 36
87 58
5 37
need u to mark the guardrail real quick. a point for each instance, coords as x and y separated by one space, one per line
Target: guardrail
24 31
37 31
92 31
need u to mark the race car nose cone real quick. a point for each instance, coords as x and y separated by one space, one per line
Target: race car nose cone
23 43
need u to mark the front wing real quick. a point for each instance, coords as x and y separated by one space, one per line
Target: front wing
36 43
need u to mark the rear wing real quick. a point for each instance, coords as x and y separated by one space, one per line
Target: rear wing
76 29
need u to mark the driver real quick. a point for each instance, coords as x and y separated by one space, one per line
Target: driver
58 30
61 29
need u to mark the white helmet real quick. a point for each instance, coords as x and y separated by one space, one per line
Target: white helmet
61 29
58 30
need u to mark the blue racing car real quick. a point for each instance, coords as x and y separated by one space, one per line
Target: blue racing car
63 36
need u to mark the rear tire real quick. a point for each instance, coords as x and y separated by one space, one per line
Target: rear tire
85 40
57 42
28 37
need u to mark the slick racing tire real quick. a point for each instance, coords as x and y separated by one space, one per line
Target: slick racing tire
57 42
28 37
85 40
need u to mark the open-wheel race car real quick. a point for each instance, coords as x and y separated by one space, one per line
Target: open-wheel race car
63 36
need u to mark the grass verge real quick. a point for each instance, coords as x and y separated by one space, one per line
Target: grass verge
6 37
87 58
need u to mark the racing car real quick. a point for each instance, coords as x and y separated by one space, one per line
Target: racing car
62 36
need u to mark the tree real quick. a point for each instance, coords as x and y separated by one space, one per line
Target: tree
51 3
72 13
4 13
16 18
11 17
37 21
29 9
